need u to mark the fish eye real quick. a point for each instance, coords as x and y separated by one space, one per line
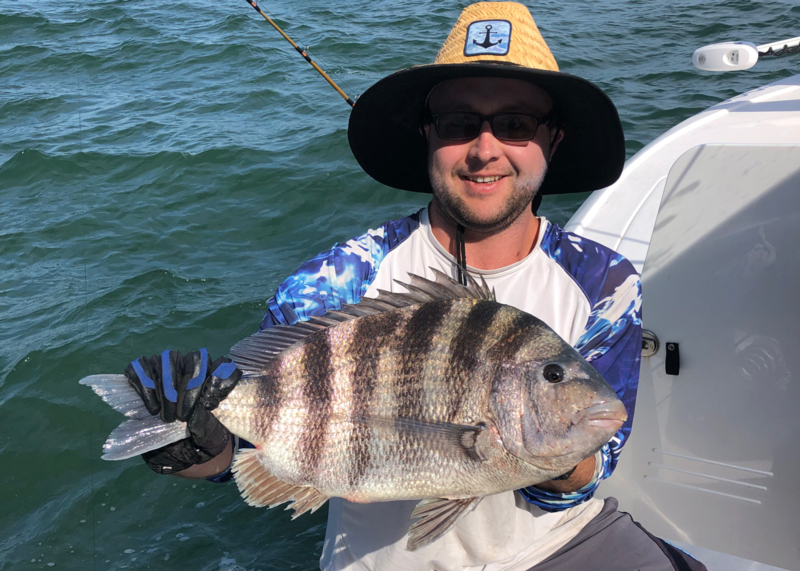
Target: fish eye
553 373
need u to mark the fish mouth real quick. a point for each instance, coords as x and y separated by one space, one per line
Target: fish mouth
607 415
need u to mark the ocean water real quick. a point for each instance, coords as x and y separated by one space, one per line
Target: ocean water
164 165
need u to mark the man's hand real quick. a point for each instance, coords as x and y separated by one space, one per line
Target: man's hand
581 476
186 388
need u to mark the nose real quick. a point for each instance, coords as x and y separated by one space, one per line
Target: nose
485 147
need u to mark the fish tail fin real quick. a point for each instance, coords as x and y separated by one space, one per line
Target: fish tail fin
143 432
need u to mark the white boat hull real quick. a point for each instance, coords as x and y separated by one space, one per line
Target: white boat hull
715 450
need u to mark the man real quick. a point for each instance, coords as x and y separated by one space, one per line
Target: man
486 129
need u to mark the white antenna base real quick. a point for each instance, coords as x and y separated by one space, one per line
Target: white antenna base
728 56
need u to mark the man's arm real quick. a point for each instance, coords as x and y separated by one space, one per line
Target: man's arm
580 477
217 465
612 343
339 276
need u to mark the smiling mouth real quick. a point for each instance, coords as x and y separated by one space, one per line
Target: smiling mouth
483 179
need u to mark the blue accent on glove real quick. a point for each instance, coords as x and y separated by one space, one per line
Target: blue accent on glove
225 370
201 375
146 381
166 378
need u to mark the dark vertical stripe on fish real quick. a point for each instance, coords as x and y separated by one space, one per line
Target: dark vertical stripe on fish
268 392
517 335
466 350
371 337
317 397
420 335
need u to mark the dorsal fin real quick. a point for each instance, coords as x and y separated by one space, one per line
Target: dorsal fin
254 353
423 290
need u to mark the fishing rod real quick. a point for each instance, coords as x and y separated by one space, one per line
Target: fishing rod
302 52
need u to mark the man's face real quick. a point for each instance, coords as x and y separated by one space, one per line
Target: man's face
485 184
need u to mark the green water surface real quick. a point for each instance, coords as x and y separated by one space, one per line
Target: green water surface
164 165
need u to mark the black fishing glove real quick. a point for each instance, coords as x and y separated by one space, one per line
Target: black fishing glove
184 388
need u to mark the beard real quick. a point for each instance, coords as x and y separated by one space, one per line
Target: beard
454 207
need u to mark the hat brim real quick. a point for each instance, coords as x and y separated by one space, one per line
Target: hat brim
384 130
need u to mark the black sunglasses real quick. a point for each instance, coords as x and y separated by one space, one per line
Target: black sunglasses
465 125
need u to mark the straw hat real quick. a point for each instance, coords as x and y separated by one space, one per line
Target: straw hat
490 39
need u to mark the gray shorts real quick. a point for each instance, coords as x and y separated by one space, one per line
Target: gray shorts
612 541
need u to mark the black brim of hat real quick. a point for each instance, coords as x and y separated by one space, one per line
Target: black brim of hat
385 137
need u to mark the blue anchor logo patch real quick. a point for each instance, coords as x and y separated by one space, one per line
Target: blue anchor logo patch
487 43
488 37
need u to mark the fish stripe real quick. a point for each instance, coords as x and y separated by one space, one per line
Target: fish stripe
269 392
515 338
317 400
466 353
420 340
373 337
422 331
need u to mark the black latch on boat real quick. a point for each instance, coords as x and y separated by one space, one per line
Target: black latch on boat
672 363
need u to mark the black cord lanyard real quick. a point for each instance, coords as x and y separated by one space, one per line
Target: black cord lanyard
461 255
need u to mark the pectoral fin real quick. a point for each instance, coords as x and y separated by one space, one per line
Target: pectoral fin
436 517
454 440
260 488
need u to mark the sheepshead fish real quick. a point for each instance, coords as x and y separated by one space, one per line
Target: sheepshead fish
440 394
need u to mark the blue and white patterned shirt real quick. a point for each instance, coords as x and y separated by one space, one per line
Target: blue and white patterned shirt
589 294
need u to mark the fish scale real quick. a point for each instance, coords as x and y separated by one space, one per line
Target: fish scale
438 394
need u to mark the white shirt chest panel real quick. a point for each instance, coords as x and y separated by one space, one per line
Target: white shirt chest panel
504 532
536 284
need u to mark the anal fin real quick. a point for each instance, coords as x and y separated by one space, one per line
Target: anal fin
436 517
260 488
